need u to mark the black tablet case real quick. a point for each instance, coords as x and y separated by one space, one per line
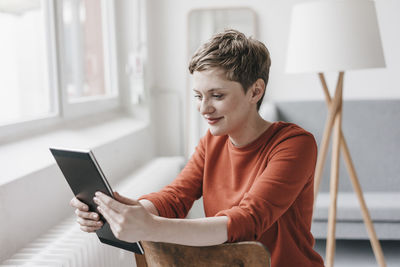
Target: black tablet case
84 176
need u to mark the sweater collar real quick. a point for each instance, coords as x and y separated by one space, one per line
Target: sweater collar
266 135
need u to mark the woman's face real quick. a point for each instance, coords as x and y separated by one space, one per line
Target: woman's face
221 102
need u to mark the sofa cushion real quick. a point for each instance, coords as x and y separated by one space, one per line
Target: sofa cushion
372 132
382 206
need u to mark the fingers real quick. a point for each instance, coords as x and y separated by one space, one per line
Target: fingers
125 200
89 221
112 211
76 203
109 214
89 229
87 215
104 200
114 219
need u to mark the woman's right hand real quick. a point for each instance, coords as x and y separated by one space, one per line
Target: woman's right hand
89 221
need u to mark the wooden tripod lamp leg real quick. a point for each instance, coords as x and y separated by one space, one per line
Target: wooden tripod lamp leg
334 182
376 246
332 108
377 249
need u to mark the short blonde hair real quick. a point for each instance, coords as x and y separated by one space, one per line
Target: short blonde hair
244 59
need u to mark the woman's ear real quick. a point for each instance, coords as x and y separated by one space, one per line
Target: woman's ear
257 90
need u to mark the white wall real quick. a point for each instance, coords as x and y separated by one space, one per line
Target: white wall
167 39
32 203
127 35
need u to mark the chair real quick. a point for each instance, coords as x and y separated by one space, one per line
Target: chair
241 254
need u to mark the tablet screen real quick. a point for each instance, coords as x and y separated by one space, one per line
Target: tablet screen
85 178
82 174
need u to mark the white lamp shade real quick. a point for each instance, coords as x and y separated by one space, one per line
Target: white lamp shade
334 35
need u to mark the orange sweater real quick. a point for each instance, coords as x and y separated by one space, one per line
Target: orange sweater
264 188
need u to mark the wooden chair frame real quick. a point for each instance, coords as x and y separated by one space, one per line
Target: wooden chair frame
241 254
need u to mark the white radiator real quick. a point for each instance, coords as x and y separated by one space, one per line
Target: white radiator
67 246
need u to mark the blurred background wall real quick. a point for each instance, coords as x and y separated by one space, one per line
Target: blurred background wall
168 58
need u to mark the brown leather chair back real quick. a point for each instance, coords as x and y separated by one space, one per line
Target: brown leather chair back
241 254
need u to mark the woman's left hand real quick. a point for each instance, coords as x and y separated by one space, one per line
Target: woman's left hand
128 219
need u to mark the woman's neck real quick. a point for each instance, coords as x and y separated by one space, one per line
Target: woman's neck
250 132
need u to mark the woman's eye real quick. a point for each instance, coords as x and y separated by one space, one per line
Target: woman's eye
217 95
197 96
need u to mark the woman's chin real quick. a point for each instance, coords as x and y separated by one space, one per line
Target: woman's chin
216 131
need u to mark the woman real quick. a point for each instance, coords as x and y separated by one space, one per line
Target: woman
256 177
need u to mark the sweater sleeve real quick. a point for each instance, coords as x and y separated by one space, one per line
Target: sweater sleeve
176 199
290 166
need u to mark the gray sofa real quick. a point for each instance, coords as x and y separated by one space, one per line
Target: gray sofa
372 132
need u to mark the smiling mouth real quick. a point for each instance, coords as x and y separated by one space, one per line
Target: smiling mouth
213 120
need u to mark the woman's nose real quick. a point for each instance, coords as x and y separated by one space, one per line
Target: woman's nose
206 107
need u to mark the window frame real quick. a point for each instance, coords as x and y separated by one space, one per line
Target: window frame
92 104
62 110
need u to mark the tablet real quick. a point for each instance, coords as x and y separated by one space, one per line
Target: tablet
85 177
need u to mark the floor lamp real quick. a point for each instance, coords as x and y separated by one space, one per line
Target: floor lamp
336 35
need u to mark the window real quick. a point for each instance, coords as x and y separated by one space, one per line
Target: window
85 50
58 58
88 56
26 61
